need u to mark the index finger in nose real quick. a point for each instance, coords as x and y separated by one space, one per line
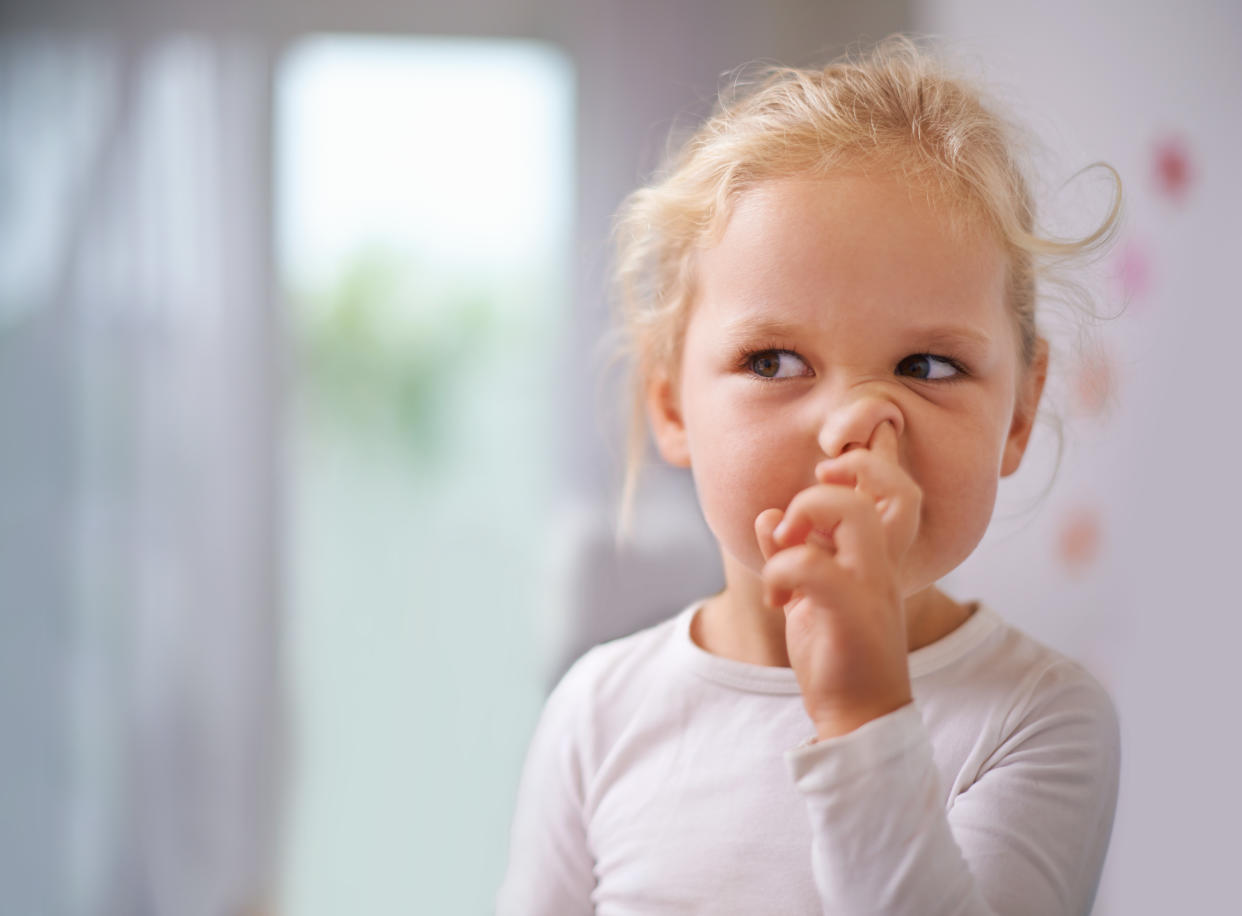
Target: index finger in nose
884 441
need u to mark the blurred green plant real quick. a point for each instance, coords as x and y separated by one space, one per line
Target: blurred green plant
383 351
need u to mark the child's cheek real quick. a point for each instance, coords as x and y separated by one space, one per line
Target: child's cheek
956 510
736 480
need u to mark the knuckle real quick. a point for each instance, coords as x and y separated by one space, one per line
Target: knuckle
779 570
858 503
853 458
805 561
814 503
796 566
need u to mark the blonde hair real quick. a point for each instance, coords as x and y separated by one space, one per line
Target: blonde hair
895 108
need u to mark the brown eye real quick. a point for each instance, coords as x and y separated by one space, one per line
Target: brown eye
766 364
928 367
914 366
776 364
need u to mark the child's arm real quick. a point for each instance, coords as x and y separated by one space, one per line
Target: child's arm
550 869
1028 837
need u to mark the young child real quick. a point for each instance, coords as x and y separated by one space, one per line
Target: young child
830 295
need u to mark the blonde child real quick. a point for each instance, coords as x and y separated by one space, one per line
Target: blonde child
830 296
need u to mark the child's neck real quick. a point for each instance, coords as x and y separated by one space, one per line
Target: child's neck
736 624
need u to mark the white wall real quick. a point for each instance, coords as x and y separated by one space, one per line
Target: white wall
1156 614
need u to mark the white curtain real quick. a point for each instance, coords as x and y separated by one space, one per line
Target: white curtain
138 355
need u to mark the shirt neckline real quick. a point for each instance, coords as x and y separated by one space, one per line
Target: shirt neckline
767 679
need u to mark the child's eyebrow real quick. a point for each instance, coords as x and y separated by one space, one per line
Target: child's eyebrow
939 335
747 326
953 335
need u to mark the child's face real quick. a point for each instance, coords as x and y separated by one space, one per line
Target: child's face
813 317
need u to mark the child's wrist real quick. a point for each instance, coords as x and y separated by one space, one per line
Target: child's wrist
844 721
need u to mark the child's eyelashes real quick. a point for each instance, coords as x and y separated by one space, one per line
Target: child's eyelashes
775 363
930 367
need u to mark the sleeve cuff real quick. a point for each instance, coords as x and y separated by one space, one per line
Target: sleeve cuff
818 765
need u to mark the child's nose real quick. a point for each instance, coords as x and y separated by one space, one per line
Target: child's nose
851 425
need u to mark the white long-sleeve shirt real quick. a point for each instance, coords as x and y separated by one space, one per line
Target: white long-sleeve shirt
663 779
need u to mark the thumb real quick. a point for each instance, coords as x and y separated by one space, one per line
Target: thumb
765 528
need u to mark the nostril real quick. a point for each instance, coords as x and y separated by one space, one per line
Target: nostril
853 425
896 422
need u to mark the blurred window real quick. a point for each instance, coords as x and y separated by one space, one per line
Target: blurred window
423 207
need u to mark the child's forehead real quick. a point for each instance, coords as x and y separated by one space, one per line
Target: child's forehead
885 187
853 227
849 252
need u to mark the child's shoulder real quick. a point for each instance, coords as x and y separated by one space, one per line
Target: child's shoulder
619 664
612 684
1038 680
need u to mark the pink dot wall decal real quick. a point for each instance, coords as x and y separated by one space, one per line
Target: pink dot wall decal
1078 539
1094 383
1131 271
1172 168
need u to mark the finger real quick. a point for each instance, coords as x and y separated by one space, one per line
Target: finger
884 441
765 526
846 519
797 523
865 471
806 571
897 497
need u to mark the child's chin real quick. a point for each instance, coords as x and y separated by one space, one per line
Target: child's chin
746 558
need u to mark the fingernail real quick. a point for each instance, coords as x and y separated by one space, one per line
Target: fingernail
778 533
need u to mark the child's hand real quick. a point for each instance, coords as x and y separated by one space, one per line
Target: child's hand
833 559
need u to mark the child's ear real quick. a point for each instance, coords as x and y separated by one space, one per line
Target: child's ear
1025 408
664 413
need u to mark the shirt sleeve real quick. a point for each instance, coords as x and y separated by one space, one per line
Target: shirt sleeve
550 868
1027 837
